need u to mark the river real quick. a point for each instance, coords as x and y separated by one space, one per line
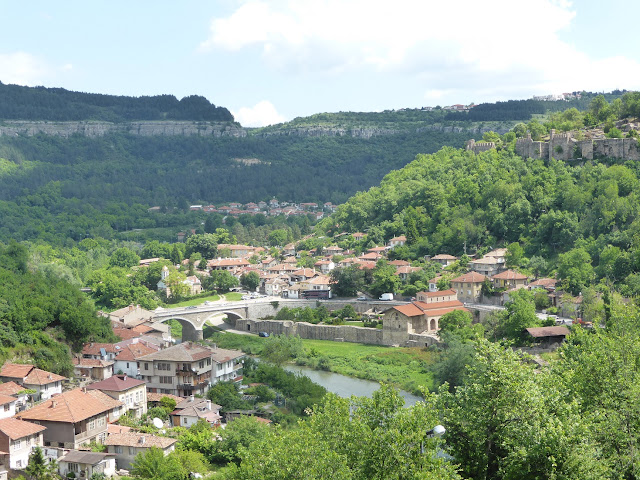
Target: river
344 386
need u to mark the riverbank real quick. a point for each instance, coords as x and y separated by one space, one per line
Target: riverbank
404 368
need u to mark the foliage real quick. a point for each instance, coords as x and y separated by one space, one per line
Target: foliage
360 438
39 468
250 280
278 349
227 395
220 280
178 465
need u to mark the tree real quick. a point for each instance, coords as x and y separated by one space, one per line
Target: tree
520 314
278 237
250 280
514 255
455 322
153 464
220 280
125 258
347 281
505 422
226 394
240 433
39 468
357 439
384 279
278 349
205 244
575 270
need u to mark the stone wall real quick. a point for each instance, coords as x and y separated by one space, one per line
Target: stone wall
478 147
99 129
336 333
563 146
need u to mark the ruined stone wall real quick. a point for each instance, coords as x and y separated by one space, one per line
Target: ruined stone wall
477 147
625 148
336 333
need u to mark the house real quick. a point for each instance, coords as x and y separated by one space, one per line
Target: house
397 241
131 392
17 438
468 286
444 259
274 287
84 464
115 407
333 250
126 446
238 251
320 283
126 361
130 316
155 399
548 336
487 265
404 271
433 283
509 279
303 274
7 406
292 291
92 368
548 284
190 410
227 263
416 317
227 365
437 296
100 351
45 384
16 391
325 266
72 419
192 282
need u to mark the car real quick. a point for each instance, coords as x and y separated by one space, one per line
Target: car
362 298
263 334
245 297
191 306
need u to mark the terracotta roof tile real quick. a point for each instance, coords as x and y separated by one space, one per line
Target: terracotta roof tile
132 352
70 407
471 277
183 352
16 370
509 275
116 383
10 388
14 428
4 399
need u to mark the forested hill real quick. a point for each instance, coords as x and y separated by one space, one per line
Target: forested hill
586 216
57 104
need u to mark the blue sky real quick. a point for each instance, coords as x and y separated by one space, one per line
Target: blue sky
270 61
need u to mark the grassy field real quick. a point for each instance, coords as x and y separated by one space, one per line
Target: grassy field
233 296
406 368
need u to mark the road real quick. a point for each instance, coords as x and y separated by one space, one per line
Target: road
541 316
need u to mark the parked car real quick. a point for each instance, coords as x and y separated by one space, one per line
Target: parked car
263 334
362 298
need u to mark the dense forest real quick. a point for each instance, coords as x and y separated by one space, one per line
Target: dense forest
81 186
57 104
586 216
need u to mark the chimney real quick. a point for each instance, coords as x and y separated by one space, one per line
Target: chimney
124 377
191 398
208 404
141 440
84 389
54 403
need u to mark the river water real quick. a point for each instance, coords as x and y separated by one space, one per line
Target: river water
344 386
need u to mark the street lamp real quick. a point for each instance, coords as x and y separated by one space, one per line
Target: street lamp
436 431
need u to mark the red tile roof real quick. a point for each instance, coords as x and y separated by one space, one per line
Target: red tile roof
10 388
141 440
69 407
132 352
14 428
15 370
116 383
548 331
509 275
471 277
29 374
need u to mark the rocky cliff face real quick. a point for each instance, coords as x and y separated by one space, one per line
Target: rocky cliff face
145 128
318 131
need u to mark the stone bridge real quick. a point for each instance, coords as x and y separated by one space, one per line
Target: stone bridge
193 319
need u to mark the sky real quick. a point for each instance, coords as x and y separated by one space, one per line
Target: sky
272 61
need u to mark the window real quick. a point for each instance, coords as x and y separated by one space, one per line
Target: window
101 422
127 364
7 407
19 464
92 424
208 361
17 444
146 366
132 451
73 467
201 364
118 449
166 379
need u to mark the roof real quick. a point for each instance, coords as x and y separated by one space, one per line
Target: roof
399 263
416 309
130 353
486 261
410 310
113 428
183 352
10 388
69 407
439 293
29 374
4 399
222 355
14 428
509 275
116 383
541 332
142 440
443 256
82 456
471 277
105 399
94 348
91 362
15 370
156 397
544 282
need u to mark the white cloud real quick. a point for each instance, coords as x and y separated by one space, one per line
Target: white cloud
261 114
496 49
22 68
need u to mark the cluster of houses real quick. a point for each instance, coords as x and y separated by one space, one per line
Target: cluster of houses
272 208
64 415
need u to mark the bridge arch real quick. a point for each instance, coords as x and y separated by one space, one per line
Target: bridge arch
190 331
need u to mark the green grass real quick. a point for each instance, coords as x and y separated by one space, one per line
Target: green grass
233 296
195 301
406 368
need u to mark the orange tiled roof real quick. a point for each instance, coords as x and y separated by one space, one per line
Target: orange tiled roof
16 370
14 428
69 407
509 275
471 277
131 353
142 440
10 388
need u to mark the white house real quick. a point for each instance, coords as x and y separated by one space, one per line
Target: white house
17 438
